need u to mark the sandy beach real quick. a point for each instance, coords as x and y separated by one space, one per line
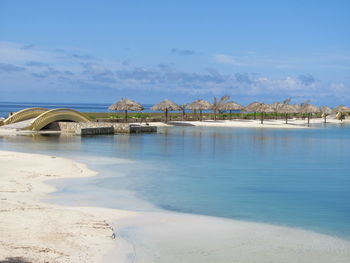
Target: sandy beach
35 231
268 123
41 232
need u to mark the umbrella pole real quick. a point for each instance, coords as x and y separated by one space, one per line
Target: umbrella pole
325 118
166 115
308 120
254 115
214 115
286 118
200 115
230 114
262 117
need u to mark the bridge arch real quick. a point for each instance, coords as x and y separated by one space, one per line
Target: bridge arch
62 114
25 114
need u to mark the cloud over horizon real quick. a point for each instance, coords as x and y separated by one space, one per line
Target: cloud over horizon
23 68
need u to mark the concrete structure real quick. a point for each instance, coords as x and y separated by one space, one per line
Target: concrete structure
97 131
142 129
77 128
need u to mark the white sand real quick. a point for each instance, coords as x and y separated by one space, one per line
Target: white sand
271 124
175 237
40 232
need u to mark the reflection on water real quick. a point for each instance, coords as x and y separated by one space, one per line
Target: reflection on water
293 177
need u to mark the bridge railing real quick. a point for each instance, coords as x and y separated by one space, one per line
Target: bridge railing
55 115
24 115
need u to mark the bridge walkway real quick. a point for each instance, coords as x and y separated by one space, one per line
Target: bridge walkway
21 125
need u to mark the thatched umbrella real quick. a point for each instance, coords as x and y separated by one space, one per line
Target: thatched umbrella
200 105
166 106
253 107
309 109
286 109
126 105
325 112
276 107
263 108
340 110
230 106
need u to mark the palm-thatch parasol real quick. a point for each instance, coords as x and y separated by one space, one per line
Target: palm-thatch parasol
340 110
263 108
200 105
276 107
325 112
166 106
216 106
126 105
309 109
252 107
286 109
230 106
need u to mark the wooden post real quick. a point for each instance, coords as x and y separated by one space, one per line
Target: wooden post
126 115
166 115
308 120
262 117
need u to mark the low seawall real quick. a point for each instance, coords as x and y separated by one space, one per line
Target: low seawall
94 128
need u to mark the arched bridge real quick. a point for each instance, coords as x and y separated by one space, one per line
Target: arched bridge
25 114
35 119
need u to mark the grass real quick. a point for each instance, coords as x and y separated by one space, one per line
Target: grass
189 116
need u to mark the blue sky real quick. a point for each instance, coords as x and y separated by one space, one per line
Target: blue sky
100 51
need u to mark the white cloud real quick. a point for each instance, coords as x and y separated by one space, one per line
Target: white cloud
225 59
33 67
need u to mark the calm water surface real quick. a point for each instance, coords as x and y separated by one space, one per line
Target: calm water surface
298 178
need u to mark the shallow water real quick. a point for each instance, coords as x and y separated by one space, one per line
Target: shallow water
297 178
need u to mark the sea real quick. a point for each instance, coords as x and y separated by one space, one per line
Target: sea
290 177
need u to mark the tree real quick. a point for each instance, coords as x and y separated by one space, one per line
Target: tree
217 104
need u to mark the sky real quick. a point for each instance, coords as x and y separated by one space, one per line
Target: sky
101 51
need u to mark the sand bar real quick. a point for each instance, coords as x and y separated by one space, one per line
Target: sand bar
41 232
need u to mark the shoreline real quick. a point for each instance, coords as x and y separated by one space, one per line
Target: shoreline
36 231
255 124
234 123
44 232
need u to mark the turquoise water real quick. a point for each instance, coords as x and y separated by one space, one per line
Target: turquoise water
298 178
